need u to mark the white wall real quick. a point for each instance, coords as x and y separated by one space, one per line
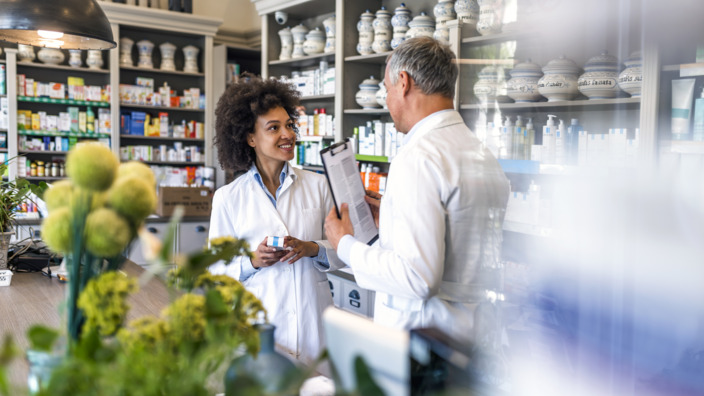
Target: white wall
238 15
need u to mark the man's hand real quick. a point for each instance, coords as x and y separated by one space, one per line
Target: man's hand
266 256
373 199
336 228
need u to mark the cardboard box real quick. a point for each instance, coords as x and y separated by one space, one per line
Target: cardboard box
196 201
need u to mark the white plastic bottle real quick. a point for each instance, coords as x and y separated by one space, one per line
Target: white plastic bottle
506 139
548 151
560 143
528 139
518 139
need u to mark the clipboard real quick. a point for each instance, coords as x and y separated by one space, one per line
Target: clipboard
346 187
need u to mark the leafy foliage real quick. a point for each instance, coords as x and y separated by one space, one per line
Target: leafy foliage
12 194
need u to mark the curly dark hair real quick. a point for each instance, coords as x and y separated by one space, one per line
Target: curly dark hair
237 111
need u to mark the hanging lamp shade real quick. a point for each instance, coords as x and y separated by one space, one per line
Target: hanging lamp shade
69 24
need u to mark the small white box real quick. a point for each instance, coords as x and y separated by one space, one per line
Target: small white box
5 277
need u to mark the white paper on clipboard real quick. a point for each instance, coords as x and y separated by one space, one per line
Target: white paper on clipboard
346 187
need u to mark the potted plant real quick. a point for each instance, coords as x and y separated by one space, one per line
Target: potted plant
12 194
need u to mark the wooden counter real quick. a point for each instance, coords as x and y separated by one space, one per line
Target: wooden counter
33 298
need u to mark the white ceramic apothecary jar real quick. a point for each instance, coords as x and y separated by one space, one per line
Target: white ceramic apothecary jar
145 48
25 53
421 25
51 56
366 96
299 37
600 78
190 55
366 33
490 17
382 31
330 28
523 85
168 51
467 12
560 79
444 11
381 95
491 86
94 60
315 42
126 51
75 58
631 78
286 43
399 22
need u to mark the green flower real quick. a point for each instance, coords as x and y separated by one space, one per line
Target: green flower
146 332
138 169
59 195
133 198
92 166
56 230
104 302
107 234
186 319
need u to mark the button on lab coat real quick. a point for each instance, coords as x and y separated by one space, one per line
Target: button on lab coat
294 295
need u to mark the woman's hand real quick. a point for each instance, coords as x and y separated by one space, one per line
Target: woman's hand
266 256
297 249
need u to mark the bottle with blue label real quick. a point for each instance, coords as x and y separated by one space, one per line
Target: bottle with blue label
528 139
560 143
506 139
518 139
548 151
572 141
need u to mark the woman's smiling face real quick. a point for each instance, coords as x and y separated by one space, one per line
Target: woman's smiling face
274 136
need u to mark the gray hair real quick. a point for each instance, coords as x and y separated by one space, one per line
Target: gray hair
430 64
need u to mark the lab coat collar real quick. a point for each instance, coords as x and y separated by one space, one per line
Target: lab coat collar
439 119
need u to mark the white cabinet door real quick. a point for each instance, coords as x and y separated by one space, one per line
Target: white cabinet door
192 236
135 252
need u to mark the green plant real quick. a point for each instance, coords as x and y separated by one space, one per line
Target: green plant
12 194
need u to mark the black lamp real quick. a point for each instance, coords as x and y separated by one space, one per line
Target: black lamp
69 24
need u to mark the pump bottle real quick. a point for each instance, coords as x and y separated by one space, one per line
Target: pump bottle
528 139
506 139
548 151
572 141
518 139
560 143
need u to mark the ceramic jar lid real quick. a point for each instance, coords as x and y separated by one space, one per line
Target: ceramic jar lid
383 13
402 9
526 69
299 29
634 60
367 15
316 34
285 31
370 83
561 65
602 62
422 20
488 73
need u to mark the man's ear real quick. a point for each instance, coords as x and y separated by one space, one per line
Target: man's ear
406 82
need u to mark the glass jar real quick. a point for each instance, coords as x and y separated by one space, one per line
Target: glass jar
54 169
40 168
33 169
62 169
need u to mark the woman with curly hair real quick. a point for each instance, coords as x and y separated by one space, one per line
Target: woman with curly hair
255 132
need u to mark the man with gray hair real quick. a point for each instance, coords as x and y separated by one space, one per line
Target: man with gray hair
440 219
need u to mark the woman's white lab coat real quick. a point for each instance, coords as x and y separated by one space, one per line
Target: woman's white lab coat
294 295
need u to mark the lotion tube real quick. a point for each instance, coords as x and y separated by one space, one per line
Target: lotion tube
682 94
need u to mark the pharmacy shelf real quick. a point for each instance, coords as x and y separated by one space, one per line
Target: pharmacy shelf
373 58
310 98
162 139
63 67
33 99
165 108
42 178
314 138
28 132
371 158
159 71
43 152
173 163
305 61
595 104
493 38
528 229
686 69
367 111
314 168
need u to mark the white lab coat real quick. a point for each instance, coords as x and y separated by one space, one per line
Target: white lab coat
440 219
294 295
